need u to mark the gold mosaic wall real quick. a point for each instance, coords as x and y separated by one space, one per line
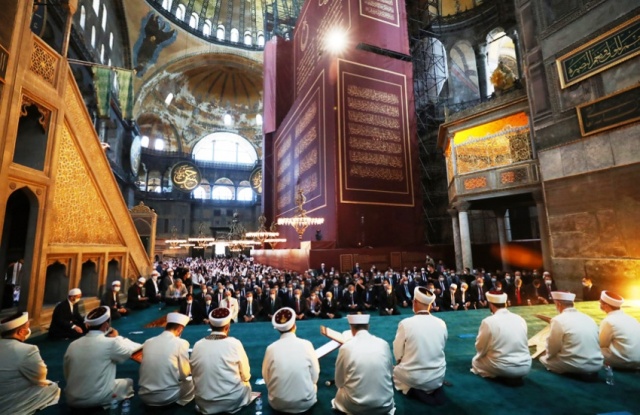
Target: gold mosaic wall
494 151
79 214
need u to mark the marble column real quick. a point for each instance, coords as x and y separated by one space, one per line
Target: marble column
465 235
502 236
481 62
513 34
538 196
456 239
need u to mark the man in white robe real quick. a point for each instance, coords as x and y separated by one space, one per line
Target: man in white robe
23 377
220 368
90 364
363 372
573 345
165 372
290 367
232 304
419 351
619 334
502 349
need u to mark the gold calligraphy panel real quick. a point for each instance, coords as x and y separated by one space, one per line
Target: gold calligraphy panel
375 147
620 108
385 11
185 176
501 149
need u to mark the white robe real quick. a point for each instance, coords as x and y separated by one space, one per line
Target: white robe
573 345
502 346
232 304
620 340
23 379
290 369
90 370
164 371
363 376
221 374
419 346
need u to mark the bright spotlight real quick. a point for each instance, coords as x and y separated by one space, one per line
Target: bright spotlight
336 41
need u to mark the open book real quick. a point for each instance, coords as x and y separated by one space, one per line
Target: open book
539 340
337 340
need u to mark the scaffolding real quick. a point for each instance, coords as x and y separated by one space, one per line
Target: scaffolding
280 18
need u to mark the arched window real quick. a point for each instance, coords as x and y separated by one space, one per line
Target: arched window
193 20
500 49
203 191
96 6
248 40
154 182
159 144
104 17
93 36
260 39
166 4
167 183
225 148
83 16
181 11
227 120
111 41
220 33
141 182
235 35
206 28
258 119
245 193
222 190
144 141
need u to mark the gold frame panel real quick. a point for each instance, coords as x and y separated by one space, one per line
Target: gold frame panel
609 127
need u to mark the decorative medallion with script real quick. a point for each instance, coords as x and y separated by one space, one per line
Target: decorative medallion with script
256 180
185 176
609 49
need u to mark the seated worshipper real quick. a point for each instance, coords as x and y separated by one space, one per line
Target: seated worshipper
403 292
517 295
271 304
207 308
220 368
299 305
388 302
136 300
152 288
478 297
165 372
66 321
573 346
176 293
111 299
535 293
589 291
232 304
437 303
192 309
330 307
419 352
463 297
351 300
23 374
619 334
249 308
450 299
314 305
90 364
502 349
363 372
290 367
370 298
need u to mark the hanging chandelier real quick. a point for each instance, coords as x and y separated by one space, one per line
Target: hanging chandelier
262 234
174 242
300 222
201 241
237 237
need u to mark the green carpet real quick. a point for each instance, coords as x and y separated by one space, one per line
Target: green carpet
542 393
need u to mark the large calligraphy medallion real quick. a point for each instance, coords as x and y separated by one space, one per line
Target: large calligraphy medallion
185 176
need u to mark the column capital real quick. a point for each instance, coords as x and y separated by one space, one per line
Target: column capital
453 212
462 206
480 48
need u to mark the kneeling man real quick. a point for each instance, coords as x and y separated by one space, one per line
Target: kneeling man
165 373
502 349
290 367
419 352
619 334
220 368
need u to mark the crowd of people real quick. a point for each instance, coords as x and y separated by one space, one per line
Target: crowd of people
221 292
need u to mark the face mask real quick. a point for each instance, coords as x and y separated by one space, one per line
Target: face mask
508 278
75 301
406 283
584 284
499 288
480 284
463 289
493 280
430 290
249 299
273 297
208 302
297 296
440 279
313 298
189 302
28 334
335 285
116 289
548 282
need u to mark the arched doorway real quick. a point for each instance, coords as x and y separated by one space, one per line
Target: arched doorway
16 249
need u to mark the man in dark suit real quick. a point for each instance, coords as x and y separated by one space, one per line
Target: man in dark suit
66 322
450 299
370 298
287 295
356 269
152 288
590 292
271 304
518 295
112 300
478 294
351 301
336 291
249 309
330 307
167 281
299 305
207 306
136 300
404 293
388 301
193 309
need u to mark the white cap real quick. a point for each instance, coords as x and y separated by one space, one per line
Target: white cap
284 319
115 282
563 295
358 318
423 296
178 318
220 317
142 280
10 324
496 297
100 319
75 291
611 298
154 272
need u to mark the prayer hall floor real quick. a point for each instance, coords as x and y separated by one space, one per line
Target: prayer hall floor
541 393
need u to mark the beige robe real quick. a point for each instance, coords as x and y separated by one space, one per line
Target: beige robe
620 340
